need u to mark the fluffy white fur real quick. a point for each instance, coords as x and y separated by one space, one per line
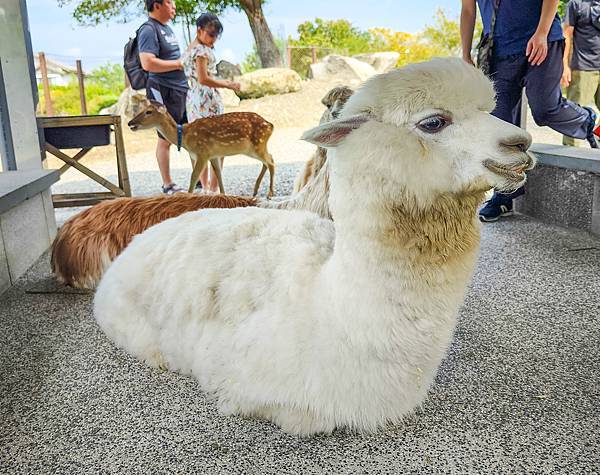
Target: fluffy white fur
315 324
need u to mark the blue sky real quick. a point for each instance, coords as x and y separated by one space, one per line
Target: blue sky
54 31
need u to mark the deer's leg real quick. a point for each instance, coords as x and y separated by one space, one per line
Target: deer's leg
268 159
259 179
199 166
216 165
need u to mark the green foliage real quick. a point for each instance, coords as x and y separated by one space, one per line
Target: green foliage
103 86
335 34
94 12
252 60
562 7
110 76
444 36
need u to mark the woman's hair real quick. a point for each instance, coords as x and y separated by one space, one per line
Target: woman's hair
210 19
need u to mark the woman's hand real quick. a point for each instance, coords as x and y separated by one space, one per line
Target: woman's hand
469 60
537 49
235 86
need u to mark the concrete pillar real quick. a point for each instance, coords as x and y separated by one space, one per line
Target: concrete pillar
16 58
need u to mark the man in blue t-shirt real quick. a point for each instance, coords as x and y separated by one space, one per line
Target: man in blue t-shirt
527 53
160 56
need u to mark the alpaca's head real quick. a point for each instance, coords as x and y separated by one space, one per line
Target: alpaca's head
150 116
425 130
335 100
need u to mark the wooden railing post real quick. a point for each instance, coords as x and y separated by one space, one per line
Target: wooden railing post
46 84
81 87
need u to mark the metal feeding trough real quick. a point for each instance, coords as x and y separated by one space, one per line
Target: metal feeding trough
78 136
84 133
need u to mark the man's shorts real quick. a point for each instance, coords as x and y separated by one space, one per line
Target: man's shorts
173 99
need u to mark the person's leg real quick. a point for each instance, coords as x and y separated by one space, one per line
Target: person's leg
548 106
157 93
174 101
508 77
596 87
507 74
214 183
580 91
162 157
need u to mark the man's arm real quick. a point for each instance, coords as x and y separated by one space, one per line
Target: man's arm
153 64
537 47
566 77
468 14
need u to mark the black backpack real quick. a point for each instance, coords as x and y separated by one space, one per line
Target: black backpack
132 64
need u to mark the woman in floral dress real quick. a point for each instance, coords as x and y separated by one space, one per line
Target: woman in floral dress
203 98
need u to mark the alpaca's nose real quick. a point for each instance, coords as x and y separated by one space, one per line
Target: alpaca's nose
518 143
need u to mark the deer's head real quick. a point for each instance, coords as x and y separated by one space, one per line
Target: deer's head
151 115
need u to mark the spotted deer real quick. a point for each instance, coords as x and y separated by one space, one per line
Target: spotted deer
210 138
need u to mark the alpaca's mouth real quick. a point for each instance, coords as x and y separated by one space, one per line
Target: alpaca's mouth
514 171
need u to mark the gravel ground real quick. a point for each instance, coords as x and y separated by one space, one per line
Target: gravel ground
516 394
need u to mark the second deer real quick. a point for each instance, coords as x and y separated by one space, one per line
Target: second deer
210 138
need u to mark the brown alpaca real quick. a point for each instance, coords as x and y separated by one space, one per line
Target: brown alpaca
88 242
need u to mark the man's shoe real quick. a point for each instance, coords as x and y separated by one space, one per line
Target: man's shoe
495 208
591 131
172 189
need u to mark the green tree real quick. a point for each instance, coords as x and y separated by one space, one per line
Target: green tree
562 7
93 12
335 34
110 76
444 36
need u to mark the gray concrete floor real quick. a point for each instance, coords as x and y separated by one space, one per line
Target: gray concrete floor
519 391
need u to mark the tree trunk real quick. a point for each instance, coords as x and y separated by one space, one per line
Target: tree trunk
269 54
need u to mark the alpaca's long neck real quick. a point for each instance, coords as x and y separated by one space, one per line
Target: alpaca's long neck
168 128
402 258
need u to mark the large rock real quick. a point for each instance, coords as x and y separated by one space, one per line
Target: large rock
268 81
381 62
129 104
341 68
227 70
230 99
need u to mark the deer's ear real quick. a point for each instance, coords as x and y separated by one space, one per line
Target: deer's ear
331 134
159 106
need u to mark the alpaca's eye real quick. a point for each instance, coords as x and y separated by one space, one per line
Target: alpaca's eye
433 124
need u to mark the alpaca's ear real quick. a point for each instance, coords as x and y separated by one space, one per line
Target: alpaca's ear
331 134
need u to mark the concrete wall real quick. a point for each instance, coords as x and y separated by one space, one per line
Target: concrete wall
26 232
564 188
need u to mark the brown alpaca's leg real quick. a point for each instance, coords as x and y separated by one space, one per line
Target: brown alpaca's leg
199 166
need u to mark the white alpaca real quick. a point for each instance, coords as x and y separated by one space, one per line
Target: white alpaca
315 324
